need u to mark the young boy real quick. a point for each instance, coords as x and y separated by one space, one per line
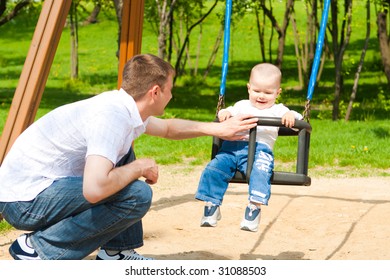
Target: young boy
263 88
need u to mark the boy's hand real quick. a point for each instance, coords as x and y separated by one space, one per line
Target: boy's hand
223 116
288 119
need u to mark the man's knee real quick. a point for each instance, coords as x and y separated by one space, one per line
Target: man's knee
143 191
140 194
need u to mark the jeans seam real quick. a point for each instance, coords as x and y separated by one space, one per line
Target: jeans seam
115 222
227 176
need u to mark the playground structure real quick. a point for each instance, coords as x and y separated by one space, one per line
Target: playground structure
40 57
46 37
302 128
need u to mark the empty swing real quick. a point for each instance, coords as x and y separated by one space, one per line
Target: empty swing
302 129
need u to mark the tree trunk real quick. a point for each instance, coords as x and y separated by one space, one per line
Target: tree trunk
171 40
280 30
198 53
298 53
74 41
94 14
213 55
260 33
164 12
18 7
384 42
282 39
187 38
3 6
339 51
118 11
361 62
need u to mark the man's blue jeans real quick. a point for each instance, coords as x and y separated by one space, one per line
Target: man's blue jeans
233 156
65 225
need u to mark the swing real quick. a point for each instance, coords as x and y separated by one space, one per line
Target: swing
302 129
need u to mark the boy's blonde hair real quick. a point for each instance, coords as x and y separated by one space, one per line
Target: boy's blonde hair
144 71
267 70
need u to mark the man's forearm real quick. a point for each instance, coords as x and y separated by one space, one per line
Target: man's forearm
182 129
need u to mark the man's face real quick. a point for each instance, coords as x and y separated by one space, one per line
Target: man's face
165 96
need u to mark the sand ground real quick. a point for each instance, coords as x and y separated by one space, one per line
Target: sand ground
333 219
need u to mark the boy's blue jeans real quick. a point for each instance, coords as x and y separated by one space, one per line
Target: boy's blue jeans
233 156
66 226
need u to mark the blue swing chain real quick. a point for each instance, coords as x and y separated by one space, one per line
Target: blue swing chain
314 70
316 61
225 60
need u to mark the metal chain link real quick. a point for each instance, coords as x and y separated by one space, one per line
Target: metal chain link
306 112
220 105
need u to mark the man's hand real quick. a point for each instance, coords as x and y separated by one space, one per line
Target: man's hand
102 179
149 169
230 129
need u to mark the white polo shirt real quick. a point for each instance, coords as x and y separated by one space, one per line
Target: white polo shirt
265 134
56 145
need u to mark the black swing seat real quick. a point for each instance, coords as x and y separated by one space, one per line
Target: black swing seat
302 129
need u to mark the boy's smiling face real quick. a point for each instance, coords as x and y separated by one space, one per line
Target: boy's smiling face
262 91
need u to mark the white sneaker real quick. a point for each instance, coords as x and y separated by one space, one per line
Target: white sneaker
211 215
21 249
121 255
251 219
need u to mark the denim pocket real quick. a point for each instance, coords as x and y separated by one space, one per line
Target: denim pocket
19 216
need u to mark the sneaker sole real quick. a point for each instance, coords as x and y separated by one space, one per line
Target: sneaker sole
211 221
15 256
18 253
207 224
247 228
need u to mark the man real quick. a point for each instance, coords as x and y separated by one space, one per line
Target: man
71 178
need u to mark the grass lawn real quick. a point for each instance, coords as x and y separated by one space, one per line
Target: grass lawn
356 148
346 148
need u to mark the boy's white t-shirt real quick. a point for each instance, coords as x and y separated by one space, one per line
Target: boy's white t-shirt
57 145
265 134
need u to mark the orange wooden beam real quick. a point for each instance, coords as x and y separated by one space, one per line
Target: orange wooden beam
40 57
35 71
131 32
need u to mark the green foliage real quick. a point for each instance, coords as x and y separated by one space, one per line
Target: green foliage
337 148
362 145
4 226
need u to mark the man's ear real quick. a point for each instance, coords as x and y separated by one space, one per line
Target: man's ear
154 91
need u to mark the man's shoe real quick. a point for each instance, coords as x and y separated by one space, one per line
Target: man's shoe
251 219
121 255
211 215
22 249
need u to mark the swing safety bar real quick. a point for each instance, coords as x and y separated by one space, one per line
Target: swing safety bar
302 129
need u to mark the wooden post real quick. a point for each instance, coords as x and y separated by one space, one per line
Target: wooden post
40 57
131 32
35 71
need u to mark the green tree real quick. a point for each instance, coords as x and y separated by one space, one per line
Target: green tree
339 48
360 66
10 9
383 35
